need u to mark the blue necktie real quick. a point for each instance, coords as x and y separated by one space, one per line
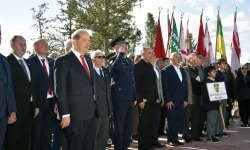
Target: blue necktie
24 69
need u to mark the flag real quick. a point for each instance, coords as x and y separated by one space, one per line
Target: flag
200 47
182 44
169 37
174 45
208 45
159 46
188 40
235 47
220 45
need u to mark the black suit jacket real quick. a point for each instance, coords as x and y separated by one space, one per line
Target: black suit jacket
21 85
73 88
40 81
103 92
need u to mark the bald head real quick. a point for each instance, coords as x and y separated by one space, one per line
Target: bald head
175 59
147 54
81 41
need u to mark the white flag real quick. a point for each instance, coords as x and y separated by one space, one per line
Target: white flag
183 44
208 46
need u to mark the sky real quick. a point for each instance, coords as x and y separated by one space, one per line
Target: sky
16 19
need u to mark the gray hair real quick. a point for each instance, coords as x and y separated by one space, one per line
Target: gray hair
68 44
38 41
76 34
93 54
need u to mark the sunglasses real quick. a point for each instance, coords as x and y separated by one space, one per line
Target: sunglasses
100 57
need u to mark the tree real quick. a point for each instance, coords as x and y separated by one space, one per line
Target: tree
151 29
67 16
108 19
46 29
38 16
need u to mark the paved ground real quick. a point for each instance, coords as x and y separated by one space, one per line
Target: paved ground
239 139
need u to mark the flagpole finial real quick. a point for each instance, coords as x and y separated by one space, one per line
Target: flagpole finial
207 19
160 8
236 8
168 10
182 14
174 8
202 7
218 9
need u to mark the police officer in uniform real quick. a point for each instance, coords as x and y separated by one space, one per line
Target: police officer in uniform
123 93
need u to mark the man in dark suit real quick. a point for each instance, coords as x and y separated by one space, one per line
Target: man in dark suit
123 93
18 134
45 104
75 88
103 93
7 99
147 93
175 92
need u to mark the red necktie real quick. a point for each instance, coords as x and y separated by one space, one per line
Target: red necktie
46 72
85 66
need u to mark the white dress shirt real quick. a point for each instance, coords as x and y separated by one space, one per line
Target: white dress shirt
156 72
78 57
178 71
97 70
26 67
47 67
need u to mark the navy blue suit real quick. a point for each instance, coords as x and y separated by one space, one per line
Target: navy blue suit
45 122
176 91
123 97
7 100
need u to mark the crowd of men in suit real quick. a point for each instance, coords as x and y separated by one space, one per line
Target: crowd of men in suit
145 96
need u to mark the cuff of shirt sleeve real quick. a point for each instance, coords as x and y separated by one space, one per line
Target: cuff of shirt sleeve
67 115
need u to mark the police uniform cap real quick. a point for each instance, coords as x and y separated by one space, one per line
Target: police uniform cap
118 40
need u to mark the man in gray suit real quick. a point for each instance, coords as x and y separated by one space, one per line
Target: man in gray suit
159 103
103 92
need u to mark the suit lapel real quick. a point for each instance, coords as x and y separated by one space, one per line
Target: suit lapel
39 65
51 67
100 81
17 64
77 64
177 76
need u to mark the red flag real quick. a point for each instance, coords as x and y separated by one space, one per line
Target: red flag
200 47
235 47
169 37
159 46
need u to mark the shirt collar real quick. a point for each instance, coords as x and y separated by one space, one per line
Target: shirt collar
18 58
76 53
40 58
177 67
211 78
97 68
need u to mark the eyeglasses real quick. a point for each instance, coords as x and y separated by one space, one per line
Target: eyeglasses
243 68
100 57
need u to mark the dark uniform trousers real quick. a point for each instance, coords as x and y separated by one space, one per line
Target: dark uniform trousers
156 122
146 125
124 118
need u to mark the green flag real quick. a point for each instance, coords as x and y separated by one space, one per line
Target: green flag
175 44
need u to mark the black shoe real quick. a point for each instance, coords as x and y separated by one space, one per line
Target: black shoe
202 135
198 139
187 139
213 140
159 145
179 143
162 133
218 135
108 145
173 144
225 134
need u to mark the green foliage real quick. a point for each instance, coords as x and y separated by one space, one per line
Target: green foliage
151 29
108 19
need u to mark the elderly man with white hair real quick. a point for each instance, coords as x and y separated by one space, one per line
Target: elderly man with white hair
103 92
68 46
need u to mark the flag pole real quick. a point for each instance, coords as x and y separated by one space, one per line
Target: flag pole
217 33
168 46
182 14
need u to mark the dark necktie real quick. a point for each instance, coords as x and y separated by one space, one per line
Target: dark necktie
46 72
101 73
85 66
24 68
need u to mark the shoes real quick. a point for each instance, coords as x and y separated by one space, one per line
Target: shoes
187 139
213 140
198 139
162 133
173 144
179 143
159 145
225 134
108 145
